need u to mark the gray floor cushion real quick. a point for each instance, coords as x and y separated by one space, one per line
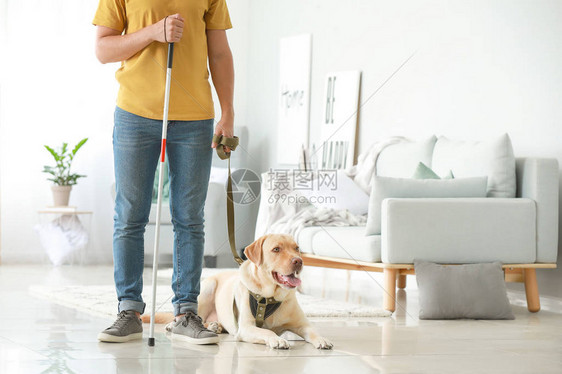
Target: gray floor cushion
475 291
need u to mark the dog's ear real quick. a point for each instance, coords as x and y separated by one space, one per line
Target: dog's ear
254 251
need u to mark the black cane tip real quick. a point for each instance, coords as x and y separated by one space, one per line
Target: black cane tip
151 342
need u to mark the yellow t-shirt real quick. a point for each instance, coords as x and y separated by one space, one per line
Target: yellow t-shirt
142 77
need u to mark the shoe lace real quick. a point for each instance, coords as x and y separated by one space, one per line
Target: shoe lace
194 320
121 320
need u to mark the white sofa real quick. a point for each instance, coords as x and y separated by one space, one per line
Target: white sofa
521 231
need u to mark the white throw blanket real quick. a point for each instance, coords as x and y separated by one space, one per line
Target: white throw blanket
293 223
366 167
277 214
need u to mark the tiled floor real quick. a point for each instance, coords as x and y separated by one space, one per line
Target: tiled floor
37 336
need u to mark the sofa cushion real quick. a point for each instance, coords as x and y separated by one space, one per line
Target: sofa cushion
342 194
462 291
401 159
493 158
347 242
384 188
459 230
425 172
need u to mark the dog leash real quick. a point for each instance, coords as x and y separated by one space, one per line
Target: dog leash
232 143
261 307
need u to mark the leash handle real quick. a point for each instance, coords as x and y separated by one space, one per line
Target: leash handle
223 141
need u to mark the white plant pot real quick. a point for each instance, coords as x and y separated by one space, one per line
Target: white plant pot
61 195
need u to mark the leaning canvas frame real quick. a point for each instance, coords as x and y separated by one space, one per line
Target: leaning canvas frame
339 120
294 97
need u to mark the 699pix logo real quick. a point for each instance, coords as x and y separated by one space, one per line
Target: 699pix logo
245 186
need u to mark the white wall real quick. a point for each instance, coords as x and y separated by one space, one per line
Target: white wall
53 89
480 68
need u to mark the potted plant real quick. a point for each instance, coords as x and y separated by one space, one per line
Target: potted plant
60 173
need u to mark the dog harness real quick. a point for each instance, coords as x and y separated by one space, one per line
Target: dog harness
261 307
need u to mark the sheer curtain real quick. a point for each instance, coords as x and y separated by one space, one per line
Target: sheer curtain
52 89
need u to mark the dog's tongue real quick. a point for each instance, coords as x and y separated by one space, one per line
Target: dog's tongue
291 280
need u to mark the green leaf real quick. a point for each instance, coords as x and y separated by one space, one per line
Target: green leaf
79 145
64 147
53 153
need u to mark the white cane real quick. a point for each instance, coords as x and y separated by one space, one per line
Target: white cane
160 183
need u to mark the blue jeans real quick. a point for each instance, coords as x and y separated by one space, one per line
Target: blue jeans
136 150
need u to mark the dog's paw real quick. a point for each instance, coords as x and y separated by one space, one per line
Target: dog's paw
322 343
169 326
215 327
277 343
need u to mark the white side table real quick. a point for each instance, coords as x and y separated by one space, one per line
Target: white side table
52 214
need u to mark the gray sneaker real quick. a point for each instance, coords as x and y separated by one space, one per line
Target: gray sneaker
127 327
189 328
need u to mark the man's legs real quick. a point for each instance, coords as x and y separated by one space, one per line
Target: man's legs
190 155
136 147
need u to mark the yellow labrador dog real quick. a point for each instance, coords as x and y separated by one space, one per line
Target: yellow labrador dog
271 272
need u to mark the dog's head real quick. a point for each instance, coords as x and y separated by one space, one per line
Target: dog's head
279 256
